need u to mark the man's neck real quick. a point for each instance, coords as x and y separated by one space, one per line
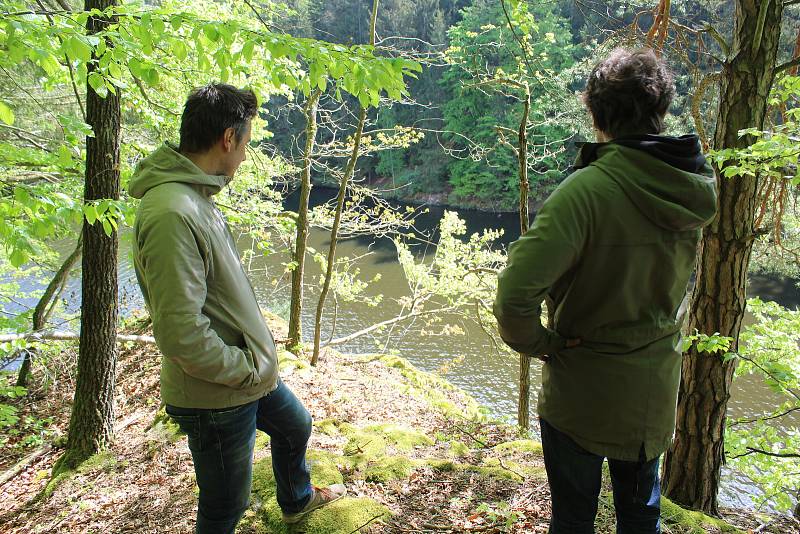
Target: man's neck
206 162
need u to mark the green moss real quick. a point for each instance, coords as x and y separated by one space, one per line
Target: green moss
55 482
401 437
690 522
516 469
342 517
324 467
102 461
458 449
329 427
288 360
388 468
345 516
520 445
441 465
164 427
262 440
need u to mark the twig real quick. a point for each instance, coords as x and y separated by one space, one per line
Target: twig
504 466
479 442
367 523
25 462
754 450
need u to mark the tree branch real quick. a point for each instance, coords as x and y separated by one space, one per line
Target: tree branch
789 64
754 450
69 336
376 326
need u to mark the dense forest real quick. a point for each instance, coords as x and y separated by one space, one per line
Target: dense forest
392 107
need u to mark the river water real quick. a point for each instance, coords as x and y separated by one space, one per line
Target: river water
489 377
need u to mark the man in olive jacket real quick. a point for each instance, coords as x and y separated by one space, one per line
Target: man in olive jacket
219 371
614 246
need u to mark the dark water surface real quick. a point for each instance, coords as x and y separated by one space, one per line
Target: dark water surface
484 374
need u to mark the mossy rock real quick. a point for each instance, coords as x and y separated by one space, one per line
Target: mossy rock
288 361
458 449
329 427
441 465
342 517
691 522
401 437
388 468
516 469
520 445
324 467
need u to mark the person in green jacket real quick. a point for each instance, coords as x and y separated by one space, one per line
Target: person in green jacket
219 371
614 246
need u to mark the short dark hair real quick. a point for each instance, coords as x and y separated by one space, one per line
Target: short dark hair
629 92
212 109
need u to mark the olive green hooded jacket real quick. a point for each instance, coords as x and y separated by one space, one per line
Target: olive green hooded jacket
217 350
614 246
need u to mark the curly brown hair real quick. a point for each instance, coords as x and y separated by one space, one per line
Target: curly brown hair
629 92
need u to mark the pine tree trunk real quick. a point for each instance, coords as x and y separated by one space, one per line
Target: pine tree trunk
692 465
299 258
91 423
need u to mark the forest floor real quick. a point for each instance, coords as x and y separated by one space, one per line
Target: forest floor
417 455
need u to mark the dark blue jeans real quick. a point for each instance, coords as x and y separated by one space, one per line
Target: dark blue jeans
574 475
222 443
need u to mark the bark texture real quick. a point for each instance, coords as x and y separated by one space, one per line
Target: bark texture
91 423
692 465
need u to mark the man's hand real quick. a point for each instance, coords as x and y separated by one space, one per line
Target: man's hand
571 343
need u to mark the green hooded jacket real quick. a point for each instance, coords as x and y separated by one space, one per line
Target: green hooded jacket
217 350
614 246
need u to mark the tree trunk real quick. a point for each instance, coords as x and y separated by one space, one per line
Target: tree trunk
523 403
46 304
91 423
299 258
692 465
337 219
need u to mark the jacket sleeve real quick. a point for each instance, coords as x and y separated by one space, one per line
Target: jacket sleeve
173 260
535 262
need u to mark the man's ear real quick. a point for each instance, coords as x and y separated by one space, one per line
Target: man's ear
228 138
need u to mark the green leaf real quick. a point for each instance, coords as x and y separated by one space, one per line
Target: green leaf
152 77
21 195
78 49
97 83
6 114
363 99
18 258
90 211
179 49
107 228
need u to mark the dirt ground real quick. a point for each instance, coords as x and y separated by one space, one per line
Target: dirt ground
145 482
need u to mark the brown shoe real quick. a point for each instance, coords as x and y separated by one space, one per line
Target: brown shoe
319 498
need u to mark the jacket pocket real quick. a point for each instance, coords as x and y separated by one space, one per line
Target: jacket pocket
263 362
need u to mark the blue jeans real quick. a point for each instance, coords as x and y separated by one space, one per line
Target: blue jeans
222 443
574 475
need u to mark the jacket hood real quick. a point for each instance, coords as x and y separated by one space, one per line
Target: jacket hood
166 165
667 178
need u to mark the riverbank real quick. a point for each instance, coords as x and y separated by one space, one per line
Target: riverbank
417 455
